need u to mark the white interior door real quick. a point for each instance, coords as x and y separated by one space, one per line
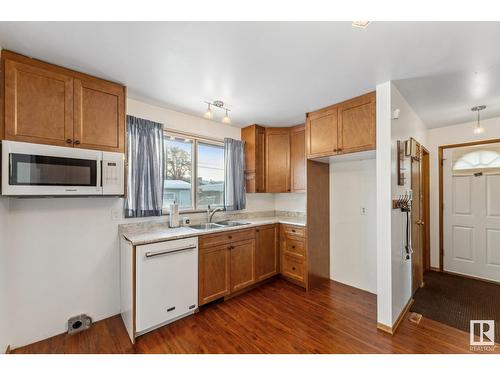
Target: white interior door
471 221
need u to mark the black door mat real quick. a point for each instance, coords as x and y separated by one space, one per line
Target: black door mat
455 301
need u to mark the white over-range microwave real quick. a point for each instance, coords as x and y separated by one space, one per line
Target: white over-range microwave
30 169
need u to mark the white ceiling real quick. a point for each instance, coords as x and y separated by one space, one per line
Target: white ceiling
447 99
273 73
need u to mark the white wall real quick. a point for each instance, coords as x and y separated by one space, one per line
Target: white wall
383 162
408 125
393 271
4 320
62 260
173 120
455 134
353 258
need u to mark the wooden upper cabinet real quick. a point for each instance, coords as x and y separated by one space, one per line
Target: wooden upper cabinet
357 124
242 264
44 103
298 158
99 115
321 132
342 128
277 160
266 252
38 104
254 137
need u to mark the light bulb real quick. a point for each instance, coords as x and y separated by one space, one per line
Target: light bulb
478 130
226 119
209 114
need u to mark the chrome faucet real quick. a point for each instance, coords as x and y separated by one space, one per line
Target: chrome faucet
210 213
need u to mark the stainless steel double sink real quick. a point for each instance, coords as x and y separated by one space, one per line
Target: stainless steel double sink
219 224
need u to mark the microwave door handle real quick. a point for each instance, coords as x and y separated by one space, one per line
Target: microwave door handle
10 170
102 164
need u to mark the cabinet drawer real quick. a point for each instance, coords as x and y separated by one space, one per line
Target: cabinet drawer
294 231
226 237
293 267
295 246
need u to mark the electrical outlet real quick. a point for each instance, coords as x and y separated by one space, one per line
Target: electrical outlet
116 213
363 211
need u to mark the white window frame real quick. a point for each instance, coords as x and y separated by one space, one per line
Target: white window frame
194 157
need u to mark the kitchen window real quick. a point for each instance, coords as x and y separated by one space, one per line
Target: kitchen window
194 175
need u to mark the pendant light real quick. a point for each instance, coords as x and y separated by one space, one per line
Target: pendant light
478 129
226 119
209 114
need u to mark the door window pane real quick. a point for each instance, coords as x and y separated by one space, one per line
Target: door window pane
210 175
179 172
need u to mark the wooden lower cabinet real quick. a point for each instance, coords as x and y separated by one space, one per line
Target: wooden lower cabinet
214 273
235 260
232 261
293 267
242 265
293 242
266 252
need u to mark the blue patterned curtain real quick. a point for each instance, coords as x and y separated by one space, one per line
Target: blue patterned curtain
145 168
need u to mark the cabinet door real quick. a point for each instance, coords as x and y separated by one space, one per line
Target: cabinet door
277 160
242 265
99 115
298 158
254 137
266 252
260 160
357 124
321 132
38 105
214 273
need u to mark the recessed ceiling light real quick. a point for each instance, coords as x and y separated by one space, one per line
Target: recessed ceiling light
360 24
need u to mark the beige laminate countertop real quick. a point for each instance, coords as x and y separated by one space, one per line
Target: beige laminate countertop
144 236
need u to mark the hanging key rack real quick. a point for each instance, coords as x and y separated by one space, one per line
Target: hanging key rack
403 203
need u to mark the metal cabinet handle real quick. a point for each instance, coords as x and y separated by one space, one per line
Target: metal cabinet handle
77 142
69 141
171 251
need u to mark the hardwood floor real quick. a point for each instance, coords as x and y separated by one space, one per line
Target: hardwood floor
277 317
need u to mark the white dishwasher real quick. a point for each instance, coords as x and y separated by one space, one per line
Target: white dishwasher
167 282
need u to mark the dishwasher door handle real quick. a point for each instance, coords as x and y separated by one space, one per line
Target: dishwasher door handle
171 251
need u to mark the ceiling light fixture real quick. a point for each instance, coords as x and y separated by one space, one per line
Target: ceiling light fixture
360 24
217 104
209 114
226 119
478 129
